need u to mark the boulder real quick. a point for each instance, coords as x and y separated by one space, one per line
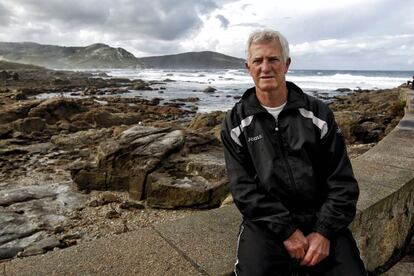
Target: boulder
210 89
123 164
140 86
82 138
5 131
105 118
55 109
208 123
155 164
343 90
30 124
19 110
368 132
195 181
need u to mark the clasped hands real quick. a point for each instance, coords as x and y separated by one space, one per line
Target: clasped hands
309 250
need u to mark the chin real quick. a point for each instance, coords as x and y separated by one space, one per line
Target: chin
268 87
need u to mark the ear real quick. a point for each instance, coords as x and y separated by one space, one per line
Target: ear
288 61
246 65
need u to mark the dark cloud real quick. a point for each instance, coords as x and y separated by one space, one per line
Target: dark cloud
65 14
224 21
159 19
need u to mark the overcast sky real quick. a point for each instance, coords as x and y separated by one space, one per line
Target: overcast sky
323 34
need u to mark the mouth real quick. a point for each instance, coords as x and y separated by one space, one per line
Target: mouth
267 77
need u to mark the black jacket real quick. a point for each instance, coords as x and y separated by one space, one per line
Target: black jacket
292 172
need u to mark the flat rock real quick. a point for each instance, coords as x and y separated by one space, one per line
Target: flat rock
28 211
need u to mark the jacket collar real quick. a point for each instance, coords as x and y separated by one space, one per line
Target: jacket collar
252 105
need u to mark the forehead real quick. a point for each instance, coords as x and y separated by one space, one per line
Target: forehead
272 48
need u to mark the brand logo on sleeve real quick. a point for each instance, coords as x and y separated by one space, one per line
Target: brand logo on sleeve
254 138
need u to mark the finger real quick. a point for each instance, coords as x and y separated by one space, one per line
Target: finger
318 258
313 261
300 255
308 257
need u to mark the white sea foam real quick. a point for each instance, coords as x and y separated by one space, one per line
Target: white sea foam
231 84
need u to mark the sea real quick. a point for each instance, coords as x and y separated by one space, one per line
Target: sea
230 84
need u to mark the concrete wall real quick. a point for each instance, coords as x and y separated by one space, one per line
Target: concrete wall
384 223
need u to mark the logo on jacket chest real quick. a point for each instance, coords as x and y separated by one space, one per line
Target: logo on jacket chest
254 138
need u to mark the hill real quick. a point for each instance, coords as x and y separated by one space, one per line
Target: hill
103 56
92 56
7 65
194 60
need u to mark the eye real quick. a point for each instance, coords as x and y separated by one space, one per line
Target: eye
257 61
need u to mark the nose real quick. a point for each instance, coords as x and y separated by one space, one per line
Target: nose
266 66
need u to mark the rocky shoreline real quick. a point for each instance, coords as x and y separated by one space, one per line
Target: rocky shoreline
64 162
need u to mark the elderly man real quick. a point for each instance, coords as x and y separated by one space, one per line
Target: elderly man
289 173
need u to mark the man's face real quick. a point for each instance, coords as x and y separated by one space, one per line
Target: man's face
266 66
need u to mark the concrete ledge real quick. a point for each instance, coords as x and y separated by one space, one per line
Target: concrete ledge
385 221
209 239
141 252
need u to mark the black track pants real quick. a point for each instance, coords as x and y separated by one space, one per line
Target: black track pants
259 252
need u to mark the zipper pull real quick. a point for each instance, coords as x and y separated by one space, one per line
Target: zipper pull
277 125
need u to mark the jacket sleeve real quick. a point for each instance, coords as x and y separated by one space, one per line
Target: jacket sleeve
252 201
339 207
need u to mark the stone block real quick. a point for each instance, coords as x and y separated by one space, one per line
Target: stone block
90 180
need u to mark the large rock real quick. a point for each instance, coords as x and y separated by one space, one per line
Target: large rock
30 124
196 181
156 164
105 118
123 164
5 131
19 110
82 138
368 132
208 123
55 109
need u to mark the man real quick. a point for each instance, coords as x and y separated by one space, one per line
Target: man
289 173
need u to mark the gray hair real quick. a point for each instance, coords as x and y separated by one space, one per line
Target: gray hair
267 36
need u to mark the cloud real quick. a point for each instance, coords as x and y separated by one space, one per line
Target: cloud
158 19
224 21
370 52
320 31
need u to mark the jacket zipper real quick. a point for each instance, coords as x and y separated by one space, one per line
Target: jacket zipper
284 156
